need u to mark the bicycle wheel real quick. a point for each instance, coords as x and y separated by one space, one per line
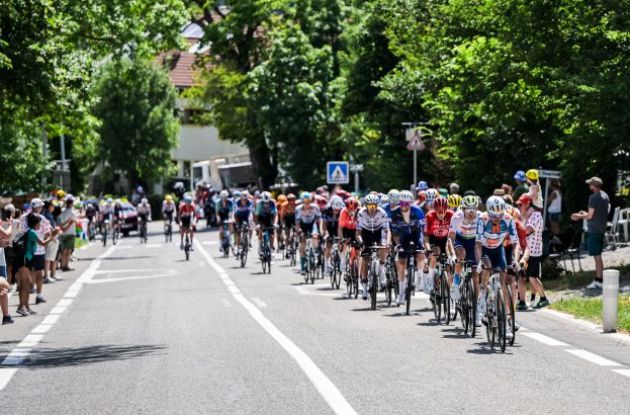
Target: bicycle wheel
409 289
512 319
264 265
337 266
374 288
463 305
446 299
355 280
243 254
437 299
349 283
472 309
105 238
333 274
501 320
312 266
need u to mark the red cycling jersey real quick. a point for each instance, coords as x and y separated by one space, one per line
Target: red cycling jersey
186 210
435 227
347 220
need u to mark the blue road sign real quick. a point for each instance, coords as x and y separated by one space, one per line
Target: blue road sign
338 172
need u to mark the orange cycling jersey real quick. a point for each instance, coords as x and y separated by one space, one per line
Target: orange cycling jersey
347 220
285 209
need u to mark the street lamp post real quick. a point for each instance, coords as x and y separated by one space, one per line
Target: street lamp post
356 169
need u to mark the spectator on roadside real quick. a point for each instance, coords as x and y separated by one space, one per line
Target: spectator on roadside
507 189
10 223
533 222
554 207
52 248
596 221
67 222
38 262
4 301
535 192
5 241
521 185
137 195
453 189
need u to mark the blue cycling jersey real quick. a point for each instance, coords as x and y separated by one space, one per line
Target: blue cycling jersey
408 231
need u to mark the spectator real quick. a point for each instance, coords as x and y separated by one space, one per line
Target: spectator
534 228
50 267
67 222
137 195
534 192
554 208
521 186
5 241
596 221
38 262
10 222
4 301
507 189
453 188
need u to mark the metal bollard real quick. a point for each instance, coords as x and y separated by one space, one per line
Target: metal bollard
610 294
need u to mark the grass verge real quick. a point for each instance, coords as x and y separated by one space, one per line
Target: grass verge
591 309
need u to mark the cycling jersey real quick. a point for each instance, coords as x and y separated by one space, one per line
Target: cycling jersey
332 221
224 208
106 212
243 209
409 226
186 210
144 211
347 220
266 210
309 216
288 209
462 228
118 211
436 227
377 221
168 208
491 235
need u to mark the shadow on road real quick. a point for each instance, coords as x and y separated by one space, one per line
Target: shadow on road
51 357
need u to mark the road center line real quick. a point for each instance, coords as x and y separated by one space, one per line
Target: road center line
322 383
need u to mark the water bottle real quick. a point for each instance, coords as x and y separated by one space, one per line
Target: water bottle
457 280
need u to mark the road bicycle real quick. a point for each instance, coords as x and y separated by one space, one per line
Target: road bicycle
311 261
243 247
187 246
411 253
226 242
292 249
105 231
168 230
374 266
335 265
352 270
495 314
321 262
116 232
143 229
265 250
91 230
441 296
467 304
391 278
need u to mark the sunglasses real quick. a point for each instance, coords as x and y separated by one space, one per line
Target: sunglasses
371 205
405 204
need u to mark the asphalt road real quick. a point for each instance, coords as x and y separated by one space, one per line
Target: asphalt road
136 329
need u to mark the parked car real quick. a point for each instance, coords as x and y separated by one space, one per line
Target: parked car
130 219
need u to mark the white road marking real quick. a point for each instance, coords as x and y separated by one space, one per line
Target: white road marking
210 242
127 271
153 245
322 383
17 356
5 376
592 357
143 277
260 303
623 372
545 339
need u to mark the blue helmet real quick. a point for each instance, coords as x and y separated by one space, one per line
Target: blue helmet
187 199
520 176
306 196
422 185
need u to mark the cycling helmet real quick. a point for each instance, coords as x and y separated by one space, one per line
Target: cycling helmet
178 186
384 199
520 176
431 195
343 194
394 196
306 196
495 206
440 204
187 199
139 189
291 196
144 201
61 194
422 185
224 194
110 201
470 202
352 203
453 187
443 192
371 199
532 174
244 194
266 197
406 196
454 201
282 198
169 198
236 194
336 202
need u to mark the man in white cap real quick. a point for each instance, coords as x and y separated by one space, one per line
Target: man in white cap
596 221
67 222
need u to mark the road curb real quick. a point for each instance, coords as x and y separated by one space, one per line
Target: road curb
589 325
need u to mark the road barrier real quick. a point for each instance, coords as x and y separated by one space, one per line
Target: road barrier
610 295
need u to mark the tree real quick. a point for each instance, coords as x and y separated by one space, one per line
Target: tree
136 106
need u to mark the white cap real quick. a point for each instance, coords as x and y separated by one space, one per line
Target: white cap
36 202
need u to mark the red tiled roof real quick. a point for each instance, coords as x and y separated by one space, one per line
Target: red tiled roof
182 70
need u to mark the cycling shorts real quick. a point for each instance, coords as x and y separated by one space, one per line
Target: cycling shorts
308 229
289 221
439 242
370 238
495 257
469 246
185 221
265 221
238 221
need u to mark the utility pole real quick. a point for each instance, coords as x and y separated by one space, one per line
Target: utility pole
356 169
62 146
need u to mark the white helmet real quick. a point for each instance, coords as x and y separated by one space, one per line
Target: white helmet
336 202
224 194
266 197
431 195
144 201
372 199
384 199
495 206
406 196
394 196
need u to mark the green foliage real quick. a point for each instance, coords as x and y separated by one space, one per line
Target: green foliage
139 129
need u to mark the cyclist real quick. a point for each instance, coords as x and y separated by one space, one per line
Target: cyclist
348 226
430 196
107 214
91 213
330 218
494 226
462 234
187 220
144 211
243 212
372 229
287 219
407 222
118 214
393 197
168 209
436 229
308 219
281 201
224 210
265 218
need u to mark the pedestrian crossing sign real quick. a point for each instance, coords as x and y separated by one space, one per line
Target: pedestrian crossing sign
337 172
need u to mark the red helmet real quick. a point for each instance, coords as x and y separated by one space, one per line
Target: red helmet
352 203
422 196
440 204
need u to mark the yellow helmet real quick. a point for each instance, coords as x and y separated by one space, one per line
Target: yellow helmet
454 201
532 174
169 198
61 194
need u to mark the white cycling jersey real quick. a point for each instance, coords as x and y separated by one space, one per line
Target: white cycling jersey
463 228
310 216
372 223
